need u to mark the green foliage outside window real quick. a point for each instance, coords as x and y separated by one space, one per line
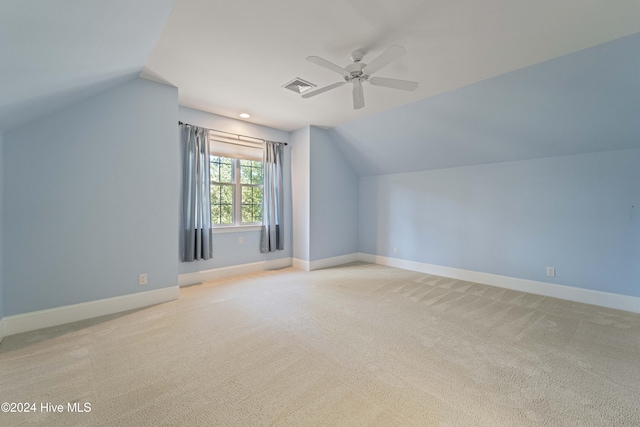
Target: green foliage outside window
231 178
251 178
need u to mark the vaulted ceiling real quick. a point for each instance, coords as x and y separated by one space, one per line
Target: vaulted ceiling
229 57
584 102
486 69
56 53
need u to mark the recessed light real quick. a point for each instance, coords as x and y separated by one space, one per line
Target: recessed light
244 115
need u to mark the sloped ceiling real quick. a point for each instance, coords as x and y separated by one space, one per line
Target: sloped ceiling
499 79
228 57
585 102
56 53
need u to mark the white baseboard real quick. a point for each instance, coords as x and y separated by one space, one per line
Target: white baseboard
587 296
86 310
301 264
1 329
334 261
188 279
325 262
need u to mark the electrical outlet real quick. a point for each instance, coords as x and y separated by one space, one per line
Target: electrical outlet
551 271
395 251
241 239
142 279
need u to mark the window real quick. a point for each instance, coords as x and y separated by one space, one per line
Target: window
236 191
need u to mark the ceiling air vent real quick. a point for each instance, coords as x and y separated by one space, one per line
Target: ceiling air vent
298 85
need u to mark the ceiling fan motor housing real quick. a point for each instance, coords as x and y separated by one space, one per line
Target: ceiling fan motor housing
355 71
357 55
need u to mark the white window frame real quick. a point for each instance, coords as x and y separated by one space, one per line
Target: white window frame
236 208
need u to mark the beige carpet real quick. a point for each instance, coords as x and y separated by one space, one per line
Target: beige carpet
355 345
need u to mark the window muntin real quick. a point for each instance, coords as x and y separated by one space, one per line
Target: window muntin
236 191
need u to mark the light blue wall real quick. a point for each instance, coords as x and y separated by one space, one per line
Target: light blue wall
300 148
1 227
515 218
580 103
227 251
333 200
92 200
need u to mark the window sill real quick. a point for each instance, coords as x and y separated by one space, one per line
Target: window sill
236 229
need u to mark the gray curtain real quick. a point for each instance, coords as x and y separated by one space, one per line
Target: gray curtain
196 234
272 236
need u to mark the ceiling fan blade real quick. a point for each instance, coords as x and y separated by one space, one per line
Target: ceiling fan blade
326 64
393 83
322 90
385 58
358 94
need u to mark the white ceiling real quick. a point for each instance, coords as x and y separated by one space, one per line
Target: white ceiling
228 57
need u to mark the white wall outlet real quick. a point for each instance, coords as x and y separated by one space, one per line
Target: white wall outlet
395 251
241 239
551 271
142 279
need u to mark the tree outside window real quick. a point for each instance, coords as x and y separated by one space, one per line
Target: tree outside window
236 191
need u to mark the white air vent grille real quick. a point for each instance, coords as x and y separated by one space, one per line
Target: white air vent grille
298 85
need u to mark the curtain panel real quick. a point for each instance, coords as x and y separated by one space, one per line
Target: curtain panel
272 235
196 234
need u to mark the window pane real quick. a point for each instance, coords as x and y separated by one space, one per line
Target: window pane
214 169
247 195
251 197
225 172
252 204
215 194
221 204
247 214
257 174
245 174
221 169
251 172
257 195
226 194
226 215
245 171
215 214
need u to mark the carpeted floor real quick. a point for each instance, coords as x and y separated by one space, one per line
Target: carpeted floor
356 345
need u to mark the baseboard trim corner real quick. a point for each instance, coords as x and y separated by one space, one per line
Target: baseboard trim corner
72 313
301 264
318 264
1 329
570 293
195 278
333 261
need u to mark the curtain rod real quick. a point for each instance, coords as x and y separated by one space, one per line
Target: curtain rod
236 135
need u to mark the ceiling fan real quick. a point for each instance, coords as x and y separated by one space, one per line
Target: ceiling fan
359 72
